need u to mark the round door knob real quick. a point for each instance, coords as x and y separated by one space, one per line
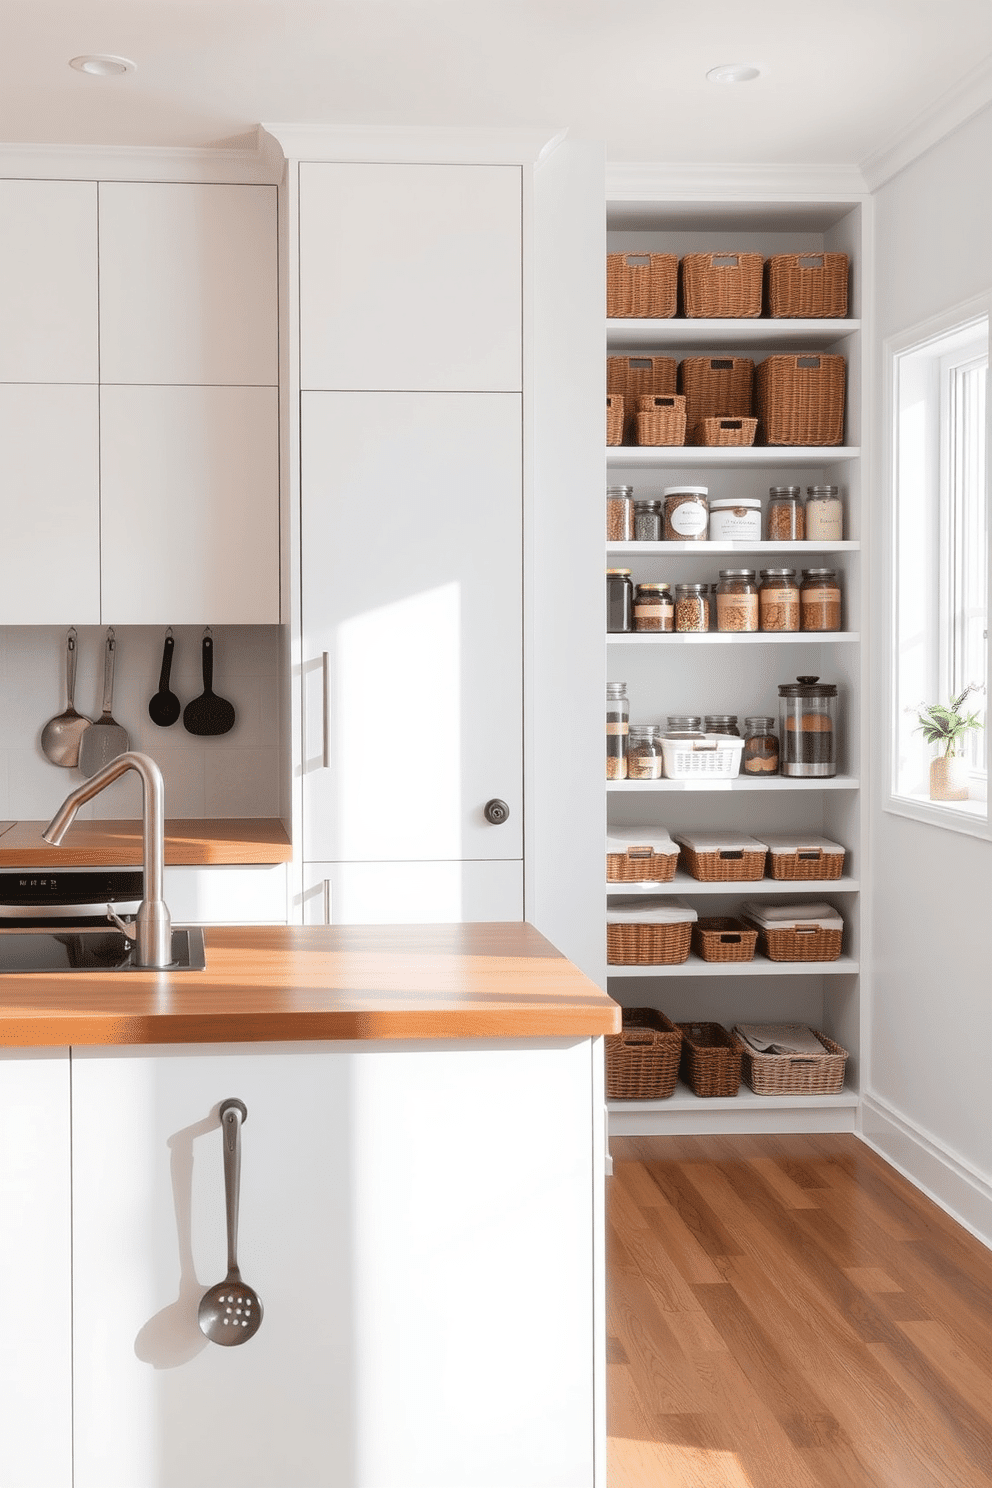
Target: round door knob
496 811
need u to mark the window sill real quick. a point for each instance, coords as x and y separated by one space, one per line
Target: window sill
970 817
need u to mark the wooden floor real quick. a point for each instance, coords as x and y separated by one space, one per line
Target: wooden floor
788 1312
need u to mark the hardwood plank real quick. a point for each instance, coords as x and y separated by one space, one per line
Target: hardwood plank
697 1216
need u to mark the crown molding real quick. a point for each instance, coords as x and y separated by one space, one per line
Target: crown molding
223 165
413 144
952 109
634 181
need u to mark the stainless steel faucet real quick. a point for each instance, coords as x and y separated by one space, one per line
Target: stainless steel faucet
153 923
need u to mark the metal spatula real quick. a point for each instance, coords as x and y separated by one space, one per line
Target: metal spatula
231 1312
105 739
62 735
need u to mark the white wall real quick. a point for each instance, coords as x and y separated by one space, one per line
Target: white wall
929 1101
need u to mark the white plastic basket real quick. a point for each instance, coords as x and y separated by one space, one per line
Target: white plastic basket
711 755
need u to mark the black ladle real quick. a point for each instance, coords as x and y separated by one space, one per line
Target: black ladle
208 714
165 707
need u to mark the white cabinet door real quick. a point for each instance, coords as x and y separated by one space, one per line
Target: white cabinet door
188 283
411 583
410 276
253 894
412 893
35 1279
417 1221
190 505
48 281
50 504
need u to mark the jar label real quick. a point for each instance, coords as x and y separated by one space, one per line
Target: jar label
653 611
617 728
690 519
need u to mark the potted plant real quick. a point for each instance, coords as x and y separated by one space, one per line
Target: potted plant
946 725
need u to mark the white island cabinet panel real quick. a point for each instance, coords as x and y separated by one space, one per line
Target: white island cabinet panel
428 1311
190 502
410 276
35 1260
48 281
412 625
188 283
50 504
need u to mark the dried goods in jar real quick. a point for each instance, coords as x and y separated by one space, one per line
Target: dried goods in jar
824 514
786 520
647 521
619 514
619 601
617 729
819 598
760 746
654 608
686 513
644 753
778 599
737 600
692 608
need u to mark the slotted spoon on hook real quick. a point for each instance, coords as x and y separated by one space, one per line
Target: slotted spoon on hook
231 1311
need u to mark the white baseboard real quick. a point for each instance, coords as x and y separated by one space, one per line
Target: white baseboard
960 1189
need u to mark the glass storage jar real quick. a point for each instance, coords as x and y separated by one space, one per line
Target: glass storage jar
760 746
617 725
778 599
619 514
737 600
737 519
647 521
687 513
808 728
692 608
824 514
819 599
654 608
684 723
786 519
619 601
644 754
721 723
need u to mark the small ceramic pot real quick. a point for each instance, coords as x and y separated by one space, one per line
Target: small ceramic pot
949 778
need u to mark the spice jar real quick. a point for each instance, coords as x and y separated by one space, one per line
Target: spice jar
778 599
824 514
721 723
619 514
692 608
654 608
647 521
619 601
687 513
760 746
737 600
808 709
617 722
786 520
735 520
644 754
684 723
819 599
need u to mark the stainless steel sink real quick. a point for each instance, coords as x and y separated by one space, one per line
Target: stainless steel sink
90 948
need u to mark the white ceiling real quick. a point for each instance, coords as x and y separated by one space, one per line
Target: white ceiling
839 81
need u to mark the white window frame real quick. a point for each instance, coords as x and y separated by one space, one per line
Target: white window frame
923 517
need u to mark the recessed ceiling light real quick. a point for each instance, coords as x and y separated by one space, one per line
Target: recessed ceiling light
733 72
101 65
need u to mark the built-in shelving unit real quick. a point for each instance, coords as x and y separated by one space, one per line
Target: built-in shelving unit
695 457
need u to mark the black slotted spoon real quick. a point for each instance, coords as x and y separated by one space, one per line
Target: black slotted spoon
208 713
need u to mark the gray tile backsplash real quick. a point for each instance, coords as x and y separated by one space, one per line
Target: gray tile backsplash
232 774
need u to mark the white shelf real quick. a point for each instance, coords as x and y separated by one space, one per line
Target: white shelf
684 1113
728 638
737 783
762 334
759 967
684 883
738 457
703 548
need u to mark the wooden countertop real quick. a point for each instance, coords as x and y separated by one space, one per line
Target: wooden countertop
117 844
345 982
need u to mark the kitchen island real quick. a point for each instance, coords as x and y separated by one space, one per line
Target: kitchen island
421 1215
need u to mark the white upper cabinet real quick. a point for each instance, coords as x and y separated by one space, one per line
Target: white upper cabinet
410 277
188 284
190 512
48 281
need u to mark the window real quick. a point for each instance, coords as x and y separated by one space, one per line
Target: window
939 379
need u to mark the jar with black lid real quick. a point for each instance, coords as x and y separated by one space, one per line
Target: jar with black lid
617 727
619 601
647 521
760 746
808 732
721 723
654 608
786 520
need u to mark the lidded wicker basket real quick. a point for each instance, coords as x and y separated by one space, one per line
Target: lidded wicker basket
722 857
648 932
797 932
640 855
804 858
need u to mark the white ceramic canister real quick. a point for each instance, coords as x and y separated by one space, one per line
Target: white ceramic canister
736 519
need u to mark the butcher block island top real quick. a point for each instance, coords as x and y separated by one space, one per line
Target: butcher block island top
117 844
274 983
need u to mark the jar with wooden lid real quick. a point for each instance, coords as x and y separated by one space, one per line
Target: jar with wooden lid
737 600
692 608
619 514
619 601
654 608
760 746
778 599
824 514
687 513
647 521
721 723
808 710
786 518
617 729
644 753
819 599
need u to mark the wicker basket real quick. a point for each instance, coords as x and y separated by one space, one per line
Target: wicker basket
723 938
614 418
806 285
799 399
815 861
646 944
640 867
721 432
632 377
642 1061
716 387
722 285
800 943
641 285
794 1074
711 1059
661 419
740 859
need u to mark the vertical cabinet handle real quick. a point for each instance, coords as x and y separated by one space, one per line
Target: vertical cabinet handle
327 901
326 713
